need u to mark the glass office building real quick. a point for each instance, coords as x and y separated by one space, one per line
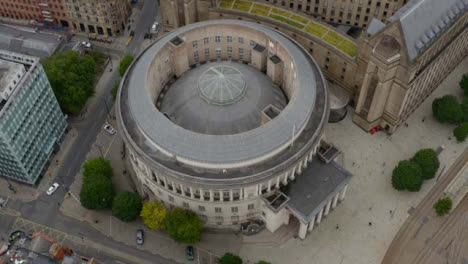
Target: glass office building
32 124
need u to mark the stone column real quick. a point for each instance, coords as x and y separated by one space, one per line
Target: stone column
173 187
302 230
299 168
319 216
343 193
311 224
285 180
311 154
202 195
211 196
256 189
221 196
305 163
327 208
292 176
192 195
182 190
277 185
269 186
335 200
260 189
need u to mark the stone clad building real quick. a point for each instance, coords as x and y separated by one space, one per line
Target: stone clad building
226 118
402 55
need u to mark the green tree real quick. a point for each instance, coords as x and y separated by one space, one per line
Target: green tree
97 192
98 166
230 258
98 58
72 79
461 132
263 262
115 89
464 83
464 107
407 176
428 162
154 215
184 226
447 109
126 206
125 63
443 206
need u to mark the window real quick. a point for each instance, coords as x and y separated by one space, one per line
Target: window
195 44
206 41
229 38
252 43
195 54
235 219
218 55
171 198
234 209
186 205
218 39
218 210
240 40
207 52
201 208
241 51
219 219
250 206
229 51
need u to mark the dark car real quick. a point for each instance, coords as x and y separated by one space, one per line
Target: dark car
190 253
132 33
140 237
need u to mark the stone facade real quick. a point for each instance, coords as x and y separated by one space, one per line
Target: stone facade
103 18
49 12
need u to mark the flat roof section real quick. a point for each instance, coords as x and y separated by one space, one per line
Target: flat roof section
7 69
317 184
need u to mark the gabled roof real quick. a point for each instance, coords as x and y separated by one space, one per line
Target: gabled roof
423 21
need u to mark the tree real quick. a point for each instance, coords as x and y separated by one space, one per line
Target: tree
97 192
98 166
126 206
443 206
230 258
98 59
125 63
464 83
154 215
263 262
464 107
461 132
447 109
428 162
407 176
72 79
184 226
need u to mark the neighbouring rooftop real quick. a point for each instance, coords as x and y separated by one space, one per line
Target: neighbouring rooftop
7 73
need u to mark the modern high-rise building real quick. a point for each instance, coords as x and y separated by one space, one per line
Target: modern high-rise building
32 125
105 18
49 12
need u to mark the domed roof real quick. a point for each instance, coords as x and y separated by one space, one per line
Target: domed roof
221 85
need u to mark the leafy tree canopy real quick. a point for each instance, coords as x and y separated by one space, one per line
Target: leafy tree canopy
72 79
184 226
154 215
464 107
461 132
97 192
125 63
428 162
230 258
447 109
443 206
98 166
464 83
407 176
126 206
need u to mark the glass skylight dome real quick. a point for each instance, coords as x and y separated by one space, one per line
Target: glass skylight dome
221 85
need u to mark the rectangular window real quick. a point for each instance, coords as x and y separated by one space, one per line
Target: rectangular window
234 209
218 210
218 39
218 55
229 50
195 54
219 219
241 51
229 38
186 205
201 208
240 40
171 198
250 206
195 44
207 52
206 41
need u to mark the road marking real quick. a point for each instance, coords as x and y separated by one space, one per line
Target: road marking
110 145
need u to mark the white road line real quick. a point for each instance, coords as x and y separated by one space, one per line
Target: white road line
110 145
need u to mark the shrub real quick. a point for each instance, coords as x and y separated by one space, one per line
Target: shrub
443 206
428 161
97 192
407 176
184 226
154 215
461 132
447 109
125 63
98 166
126 206
464 83
230 258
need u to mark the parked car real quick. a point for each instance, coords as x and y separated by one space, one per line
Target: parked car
109 129
52 188
190 253
155 27
86 44
132 33
140 237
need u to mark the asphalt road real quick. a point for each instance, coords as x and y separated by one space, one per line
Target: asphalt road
45 210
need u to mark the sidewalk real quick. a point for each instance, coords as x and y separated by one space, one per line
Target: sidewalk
29 193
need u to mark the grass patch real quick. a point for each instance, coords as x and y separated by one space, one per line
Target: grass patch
303 20
226 3
287 21
261 12
333 38
348 47
316 29
264 7
242 5
281 12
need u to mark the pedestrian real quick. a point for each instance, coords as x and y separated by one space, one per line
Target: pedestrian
370 223
337 227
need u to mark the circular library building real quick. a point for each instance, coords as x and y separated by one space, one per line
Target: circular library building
226 118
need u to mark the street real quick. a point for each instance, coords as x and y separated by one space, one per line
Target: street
45 210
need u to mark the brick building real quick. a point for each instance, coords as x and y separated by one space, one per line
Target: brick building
49 12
